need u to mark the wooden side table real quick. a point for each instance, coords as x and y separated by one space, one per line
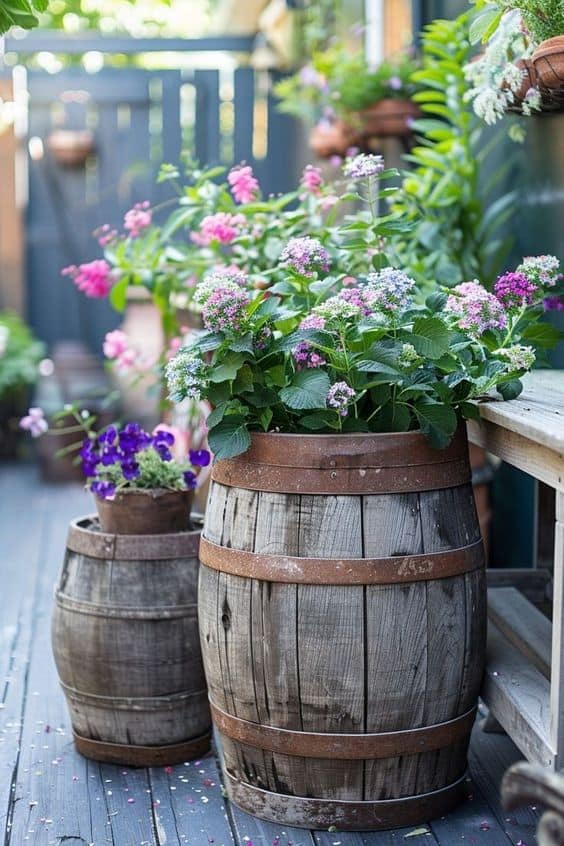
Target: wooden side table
524 682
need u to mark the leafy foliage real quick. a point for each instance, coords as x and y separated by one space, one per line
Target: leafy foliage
20 353
21 13
457 235
544 19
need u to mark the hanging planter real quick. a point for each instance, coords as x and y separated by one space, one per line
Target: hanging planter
548 60
389 118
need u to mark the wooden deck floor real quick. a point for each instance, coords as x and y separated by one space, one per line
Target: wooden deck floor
49 795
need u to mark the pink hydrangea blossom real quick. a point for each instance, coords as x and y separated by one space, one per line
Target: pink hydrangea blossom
515 290
93 278
34 422
306 356
105 235
312 180
477 310
244 184
313 321
138 218
225 308
127 360
339 397
222 227
305 256
115 344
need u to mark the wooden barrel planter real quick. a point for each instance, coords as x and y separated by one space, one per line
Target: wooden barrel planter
342 615
125 639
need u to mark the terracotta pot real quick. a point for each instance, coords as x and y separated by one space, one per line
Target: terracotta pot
389 118
156 512
548 60
332 139
71 147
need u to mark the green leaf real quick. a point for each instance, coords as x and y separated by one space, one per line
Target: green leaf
485 24
242 344
308 390
436 301
437 421
227 370
229 438
430 337
118 293
265 418
216 415
542 335
315 422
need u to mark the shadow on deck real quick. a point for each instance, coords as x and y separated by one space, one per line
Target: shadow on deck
50 795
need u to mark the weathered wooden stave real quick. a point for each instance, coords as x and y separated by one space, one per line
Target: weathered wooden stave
253 633
125 640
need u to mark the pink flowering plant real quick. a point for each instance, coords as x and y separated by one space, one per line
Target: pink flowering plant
317 352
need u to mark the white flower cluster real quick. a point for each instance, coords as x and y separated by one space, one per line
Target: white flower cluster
519 357
495 78
213 281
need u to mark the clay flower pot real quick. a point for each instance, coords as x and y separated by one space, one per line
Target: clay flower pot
155 512
389 118
548 60
70 147
332 139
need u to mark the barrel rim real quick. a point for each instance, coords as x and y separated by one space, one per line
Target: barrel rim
346 815
95 543
346 463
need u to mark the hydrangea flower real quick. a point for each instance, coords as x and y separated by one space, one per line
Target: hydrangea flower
543 271
312 180
514 290
389 289
553 304
94 278
105 235
138 218
358 297
221 227
313 321
229 281
305 256
186 375
408 357
305 356
225 308
477 310
115 344
337 309
34 422
339 397
363 166
244 185
519 357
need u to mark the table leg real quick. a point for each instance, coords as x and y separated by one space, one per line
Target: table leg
557 667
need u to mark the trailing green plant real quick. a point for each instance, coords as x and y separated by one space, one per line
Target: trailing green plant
459 222
20 354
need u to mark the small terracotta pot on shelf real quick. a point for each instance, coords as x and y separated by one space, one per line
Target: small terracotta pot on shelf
389 118
548 60
151 512
332 139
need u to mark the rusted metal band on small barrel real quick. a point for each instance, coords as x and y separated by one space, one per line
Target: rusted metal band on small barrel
143 756
85 539
341 571
345 815
354 464
348 747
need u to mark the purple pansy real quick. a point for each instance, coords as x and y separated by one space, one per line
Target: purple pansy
199 457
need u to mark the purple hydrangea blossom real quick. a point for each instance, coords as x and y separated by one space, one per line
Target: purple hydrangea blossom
363 166
515 290
359 298
306 356
476 309
339 397
389 289
225 309
543 271
305 256
553 304
313 321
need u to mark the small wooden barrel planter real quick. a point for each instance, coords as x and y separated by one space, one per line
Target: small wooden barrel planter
342 621
125 639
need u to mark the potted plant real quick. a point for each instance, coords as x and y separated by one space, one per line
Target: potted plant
543 21
338 409
20 354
